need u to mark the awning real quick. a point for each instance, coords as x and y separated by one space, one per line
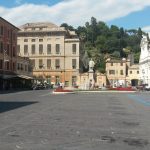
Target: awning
8 76
24 77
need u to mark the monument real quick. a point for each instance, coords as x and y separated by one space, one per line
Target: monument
88 82
91 74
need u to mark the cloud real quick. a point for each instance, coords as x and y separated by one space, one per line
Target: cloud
73 12
146 29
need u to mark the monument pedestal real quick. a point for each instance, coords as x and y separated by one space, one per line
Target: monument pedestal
91 80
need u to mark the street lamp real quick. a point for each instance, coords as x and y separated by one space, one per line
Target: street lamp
4 60
43 66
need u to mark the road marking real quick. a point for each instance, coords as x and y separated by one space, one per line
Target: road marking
139 99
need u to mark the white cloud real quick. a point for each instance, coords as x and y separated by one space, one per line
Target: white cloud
146 29
74 12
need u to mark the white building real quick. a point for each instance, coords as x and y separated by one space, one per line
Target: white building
144 63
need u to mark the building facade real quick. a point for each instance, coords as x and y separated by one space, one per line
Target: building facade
122 72
133 77
8 53
23 78
53 50
144 63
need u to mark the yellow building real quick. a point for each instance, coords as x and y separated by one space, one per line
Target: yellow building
122 72
133 77
53 50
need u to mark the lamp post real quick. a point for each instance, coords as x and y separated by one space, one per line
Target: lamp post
4 60
43 66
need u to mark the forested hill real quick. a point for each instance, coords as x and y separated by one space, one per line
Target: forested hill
101 41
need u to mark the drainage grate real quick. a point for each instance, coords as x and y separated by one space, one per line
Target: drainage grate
136 142
131 123
109 139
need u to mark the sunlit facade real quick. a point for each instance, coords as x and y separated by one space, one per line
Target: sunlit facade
53 50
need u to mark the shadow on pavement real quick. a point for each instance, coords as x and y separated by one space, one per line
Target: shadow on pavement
7 106
12 91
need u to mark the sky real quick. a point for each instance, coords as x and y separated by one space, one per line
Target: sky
129 14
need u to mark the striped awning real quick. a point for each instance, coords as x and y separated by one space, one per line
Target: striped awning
24 76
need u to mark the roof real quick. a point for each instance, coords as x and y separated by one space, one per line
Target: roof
40 27
135 66
39 24
44 27
9 23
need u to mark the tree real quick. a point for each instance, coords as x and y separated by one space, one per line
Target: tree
67 27
116 54
127 50
136 57
100 41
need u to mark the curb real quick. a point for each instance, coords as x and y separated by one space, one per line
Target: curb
62 93
106 91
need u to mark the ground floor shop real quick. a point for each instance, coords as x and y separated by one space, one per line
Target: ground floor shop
15 83
68 78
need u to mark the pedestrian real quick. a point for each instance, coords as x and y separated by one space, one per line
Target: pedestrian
61 85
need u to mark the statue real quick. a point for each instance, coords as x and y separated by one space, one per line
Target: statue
91 65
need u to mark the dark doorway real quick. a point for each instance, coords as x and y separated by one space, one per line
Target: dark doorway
134 82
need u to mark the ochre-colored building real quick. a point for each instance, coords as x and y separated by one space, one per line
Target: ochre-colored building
122 72
53 50
133 77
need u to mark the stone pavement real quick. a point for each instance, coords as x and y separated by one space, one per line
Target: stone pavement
37 120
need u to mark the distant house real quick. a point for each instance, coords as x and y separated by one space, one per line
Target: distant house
122 72
144 63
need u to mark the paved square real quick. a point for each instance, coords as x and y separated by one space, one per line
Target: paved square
37 120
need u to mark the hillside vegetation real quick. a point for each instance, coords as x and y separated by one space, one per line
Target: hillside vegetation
99 41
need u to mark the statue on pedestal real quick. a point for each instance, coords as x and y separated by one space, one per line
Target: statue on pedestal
91 65
91 74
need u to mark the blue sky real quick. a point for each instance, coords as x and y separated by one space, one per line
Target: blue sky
14 3
134 20
123 13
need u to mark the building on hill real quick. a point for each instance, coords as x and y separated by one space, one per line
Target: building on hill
144 63
53 50
122 72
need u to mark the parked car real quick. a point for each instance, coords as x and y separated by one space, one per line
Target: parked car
38 87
